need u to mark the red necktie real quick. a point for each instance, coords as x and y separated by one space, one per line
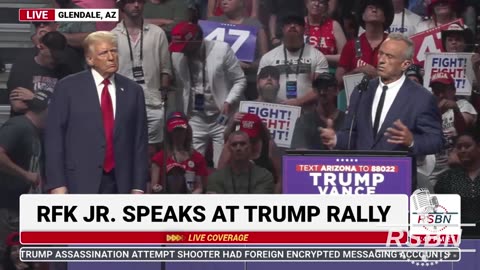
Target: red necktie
108 124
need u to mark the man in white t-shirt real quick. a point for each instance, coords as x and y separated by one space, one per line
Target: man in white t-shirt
404 21
298 63
457 116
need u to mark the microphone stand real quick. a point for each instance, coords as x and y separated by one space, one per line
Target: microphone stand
362 87
164 93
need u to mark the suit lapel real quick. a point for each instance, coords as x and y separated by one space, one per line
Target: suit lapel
91 94
210 65
121 98
399 105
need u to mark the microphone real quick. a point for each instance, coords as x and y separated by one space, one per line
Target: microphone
361 87
434 202
421 200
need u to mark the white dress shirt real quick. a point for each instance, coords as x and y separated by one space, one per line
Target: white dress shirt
111 88
390 95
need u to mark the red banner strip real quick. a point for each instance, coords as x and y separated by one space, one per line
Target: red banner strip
206 237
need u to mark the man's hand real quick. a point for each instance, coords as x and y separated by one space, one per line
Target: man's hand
136 191
33 178
237 117
22 94
292 102
329 138
226 108
446 104
59 190
368 70
276 42
399 134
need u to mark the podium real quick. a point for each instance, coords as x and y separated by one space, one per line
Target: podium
348 172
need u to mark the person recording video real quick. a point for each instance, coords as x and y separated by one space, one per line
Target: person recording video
392 113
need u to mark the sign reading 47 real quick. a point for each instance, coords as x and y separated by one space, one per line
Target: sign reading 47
242 38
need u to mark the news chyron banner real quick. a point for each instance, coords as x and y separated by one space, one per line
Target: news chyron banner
203 219
67 15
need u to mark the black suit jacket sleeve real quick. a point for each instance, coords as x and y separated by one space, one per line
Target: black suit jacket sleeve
55 138
428 135
140 168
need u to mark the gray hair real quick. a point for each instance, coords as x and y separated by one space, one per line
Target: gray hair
400 37
98 36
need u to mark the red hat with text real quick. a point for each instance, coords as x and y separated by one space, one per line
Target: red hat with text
442 77
176 122
251 124
182 33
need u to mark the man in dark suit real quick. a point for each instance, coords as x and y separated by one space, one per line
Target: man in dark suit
96 133
394 113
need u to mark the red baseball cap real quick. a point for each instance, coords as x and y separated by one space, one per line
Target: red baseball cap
182 33
251 124
442 77
177 122
13 239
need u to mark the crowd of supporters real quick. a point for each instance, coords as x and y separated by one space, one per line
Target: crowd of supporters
196 139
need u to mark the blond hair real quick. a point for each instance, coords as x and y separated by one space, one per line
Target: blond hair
98 36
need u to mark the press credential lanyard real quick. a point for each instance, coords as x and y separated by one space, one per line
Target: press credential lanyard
287 70
130 44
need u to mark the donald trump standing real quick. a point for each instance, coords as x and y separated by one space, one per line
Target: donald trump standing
96 133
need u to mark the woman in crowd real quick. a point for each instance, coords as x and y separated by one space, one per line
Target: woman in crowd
441 12
457 38
233 13
464 179
264 150
215 8
322 32
179 154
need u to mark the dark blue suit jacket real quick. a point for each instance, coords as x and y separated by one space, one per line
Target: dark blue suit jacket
414 105
75 140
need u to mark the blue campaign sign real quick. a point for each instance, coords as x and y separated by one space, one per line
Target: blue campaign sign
242 38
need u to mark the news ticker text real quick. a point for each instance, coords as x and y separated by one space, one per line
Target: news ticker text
232 254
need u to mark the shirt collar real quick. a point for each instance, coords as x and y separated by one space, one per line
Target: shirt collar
99 79
394 84
121 27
